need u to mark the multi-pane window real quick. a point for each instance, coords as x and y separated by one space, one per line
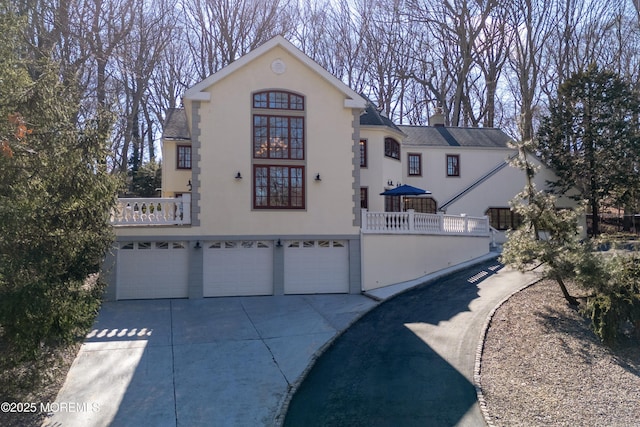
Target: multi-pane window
279 186
392 148
184 157
278 150
453 165
364 197
420 204
363 153
503 218
277 137
415 164
392 204
278 100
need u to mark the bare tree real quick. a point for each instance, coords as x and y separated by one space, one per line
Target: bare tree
220 31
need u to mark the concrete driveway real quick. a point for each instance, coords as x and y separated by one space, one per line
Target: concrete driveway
208 362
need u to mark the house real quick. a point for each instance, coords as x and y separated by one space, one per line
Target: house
271 180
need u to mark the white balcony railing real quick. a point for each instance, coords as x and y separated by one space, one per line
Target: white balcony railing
411 222
152 211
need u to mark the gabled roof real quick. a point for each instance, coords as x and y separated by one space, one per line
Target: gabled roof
441 136
175 125
198 92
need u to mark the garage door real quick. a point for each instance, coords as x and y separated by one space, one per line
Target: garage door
152 270
316 266
238 268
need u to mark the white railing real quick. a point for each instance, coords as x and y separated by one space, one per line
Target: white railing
411 222
152 211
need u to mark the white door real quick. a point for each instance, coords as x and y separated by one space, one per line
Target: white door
152 270
316 267
238 268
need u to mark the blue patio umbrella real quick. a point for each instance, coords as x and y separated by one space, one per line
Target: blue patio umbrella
405 190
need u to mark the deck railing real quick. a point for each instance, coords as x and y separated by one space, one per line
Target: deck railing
411 222
152 211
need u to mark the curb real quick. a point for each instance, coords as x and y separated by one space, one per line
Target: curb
293 387
477 370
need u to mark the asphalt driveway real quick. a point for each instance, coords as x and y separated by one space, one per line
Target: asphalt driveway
409 362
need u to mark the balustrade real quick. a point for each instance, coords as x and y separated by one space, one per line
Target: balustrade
152 211
411 222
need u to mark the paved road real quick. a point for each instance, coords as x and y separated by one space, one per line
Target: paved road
410 361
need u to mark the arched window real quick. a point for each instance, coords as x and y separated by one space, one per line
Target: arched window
392 148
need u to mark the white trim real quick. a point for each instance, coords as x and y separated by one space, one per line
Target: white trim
198 92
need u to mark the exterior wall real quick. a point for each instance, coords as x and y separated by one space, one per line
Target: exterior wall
389 259
497 191
225 148
174 180
474 163
380 169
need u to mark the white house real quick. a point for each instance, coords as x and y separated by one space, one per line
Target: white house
272 175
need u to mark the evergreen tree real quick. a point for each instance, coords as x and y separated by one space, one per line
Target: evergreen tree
590 139
548 237
55 199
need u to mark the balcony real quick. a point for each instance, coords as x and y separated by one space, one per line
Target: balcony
142 212
411 222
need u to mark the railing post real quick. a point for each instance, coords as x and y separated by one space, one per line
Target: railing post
465 227
186 208
411 220
441 221
363 219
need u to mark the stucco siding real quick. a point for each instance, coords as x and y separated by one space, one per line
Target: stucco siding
389 259
226 203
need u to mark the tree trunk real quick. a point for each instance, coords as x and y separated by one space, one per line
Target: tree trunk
565 292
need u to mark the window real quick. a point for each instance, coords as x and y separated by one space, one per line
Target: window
391 148
278 100
363 153
278 187
503 218
278 137
184 157
392 204
453 165
278 150
415 164
364 198
421 204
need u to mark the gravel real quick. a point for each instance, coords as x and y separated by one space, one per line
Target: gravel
542 366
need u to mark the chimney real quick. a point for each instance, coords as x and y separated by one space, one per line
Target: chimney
437 119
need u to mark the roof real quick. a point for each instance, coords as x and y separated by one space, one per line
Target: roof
441 136
175 125
199 91
372 117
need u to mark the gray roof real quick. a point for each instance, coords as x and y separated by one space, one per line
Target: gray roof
441 136
175 124
372 117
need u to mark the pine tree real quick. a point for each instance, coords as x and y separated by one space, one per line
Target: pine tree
590 139
548 237
55 199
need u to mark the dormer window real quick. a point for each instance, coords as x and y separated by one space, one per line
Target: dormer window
392 148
